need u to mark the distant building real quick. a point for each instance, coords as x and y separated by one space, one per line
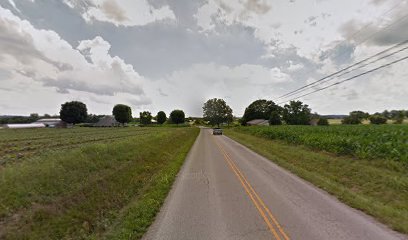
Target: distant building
24 125
52 123
107 121
258 122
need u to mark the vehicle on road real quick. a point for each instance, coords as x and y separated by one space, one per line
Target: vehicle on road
217 131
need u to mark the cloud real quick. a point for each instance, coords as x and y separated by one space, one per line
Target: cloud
121 12
45 58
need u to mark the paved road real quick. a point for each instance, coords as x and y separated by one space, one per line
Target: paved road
226 191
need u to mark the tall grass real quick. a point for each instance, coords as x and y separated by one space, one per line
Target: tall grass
81 193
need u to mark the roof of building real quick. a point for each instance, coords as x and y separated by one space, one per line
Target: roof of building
24 125
258 122
106 121
49 120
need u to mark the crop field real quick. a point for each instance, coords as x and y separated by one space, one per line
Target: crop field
86 183
362 141
368 170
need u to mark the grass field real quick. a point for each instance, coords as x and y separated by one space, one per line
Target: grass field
361 141
378 186
86 183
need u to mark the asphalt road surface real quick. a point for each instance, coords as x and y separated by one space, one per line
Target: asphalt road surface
226 191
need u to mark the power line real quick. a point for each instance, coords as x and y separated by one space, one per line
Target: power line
348 79
342 70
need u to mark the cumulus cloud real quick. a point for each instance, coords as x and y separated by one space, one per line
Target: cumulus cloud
121 12
43 57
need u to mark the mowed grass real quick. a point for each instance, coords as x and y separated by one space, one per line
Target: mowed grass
108 189
378 187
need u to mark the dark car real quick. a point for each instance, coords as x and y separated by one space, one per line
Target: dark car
217 131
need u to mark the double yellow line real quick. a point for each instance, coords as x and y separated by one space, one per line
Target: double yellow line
263 210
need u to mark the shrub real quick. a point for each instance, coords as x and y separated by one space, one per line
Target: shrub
323 122
378 119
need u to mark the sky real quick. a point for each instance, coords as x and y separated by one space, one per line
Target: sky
170 54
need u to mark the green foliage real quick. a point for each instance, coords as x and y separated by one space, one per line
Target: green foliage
296 113
73 112
362 141
84 191
323 122
351 120
122 113
145 117
92 118
275 118
216 111
261 109
374 186
359 114
161 117
398 116
378 119
177 116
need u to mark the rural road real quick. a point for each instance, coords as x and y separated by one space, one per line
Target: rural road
226 191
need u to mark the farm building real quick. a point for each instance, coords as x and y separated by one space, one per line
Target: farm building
24 125
52 122
258 122
107 121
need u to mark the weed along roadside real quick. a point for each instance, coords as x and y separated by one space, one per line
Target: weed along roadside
376 186
102 190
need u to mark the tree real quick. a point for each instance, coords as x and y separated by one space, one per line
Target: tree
177 116
34 117
275 118
352 119
360 115
161 117
216 111
260 109
296 113
323 122
398 116
378 119
145 117
122 113
73 112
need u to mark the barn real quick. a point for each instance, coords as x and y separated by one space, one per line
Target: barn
52 123
24 125
258 122
107 121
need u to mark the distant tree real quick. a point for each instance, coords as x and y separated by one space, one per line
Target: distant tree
360 115
275 118
34 117
351 120
296 113
323 121
145 117
46 115
161 117
398 116
73 112
260 109
386 114
378 119
92 118
216 111
122 113
177 116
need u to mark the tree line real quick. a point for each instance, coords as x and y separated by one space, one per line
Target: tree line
76 112
217 112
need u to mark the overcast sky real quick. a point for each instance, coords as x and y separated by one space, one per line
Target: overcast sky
172 54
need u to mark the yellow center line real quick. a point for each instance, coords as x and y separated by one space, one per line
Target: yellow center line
251 192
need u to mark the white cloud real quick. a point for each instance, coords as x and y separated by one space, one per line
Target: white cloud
121 12
42 61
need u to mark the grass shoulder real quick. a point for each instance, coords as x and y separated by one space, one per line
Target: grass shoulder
377 187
